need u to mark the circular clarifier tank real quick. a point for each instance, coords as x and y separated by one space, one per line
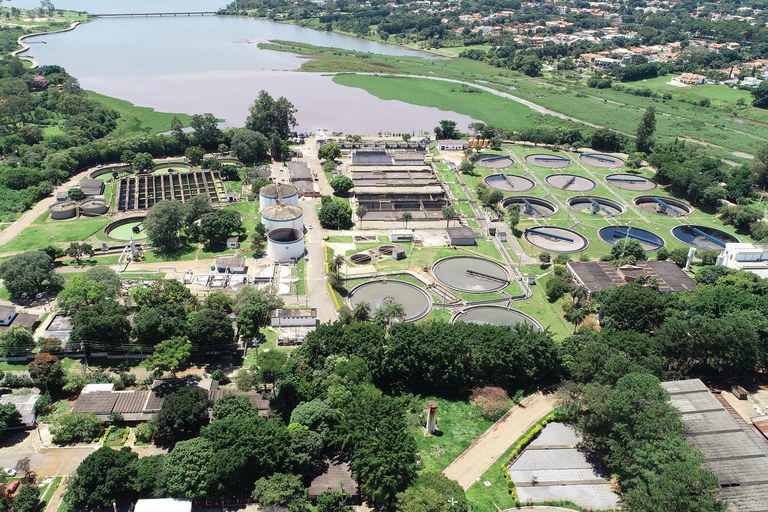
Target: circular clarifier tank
548 161
648 241
703 237
601 160
495 162
570 182
415 301
126 229
598 206
361 258
533 207
494 315
508 182
630 182
662 205
556 239
471 274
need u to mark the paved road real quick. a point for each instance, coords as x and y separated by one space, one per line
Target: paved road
470 465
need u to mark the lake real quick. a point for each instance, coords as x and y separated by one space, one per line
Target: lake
201 64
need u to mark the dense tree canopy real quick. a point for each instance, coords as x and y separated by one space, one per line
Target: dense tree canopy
104 476
29 272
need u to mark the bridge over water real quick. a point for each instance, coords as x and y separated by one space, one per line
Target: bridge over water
152 14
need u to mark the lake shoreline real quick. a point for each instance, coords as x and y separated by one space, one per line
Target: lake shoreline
25 47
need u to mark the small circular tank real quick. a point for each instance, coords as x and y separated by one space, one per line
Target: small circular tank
274 193
282 216
65 210
93 207
285 244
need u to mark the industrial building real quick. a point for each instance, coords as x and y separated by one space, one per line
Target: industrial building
596 275
293 318
452 145
462 236
301 177
750 257
736 454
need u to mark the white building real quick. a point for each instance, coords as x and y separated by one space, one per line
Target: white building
452 145
294 317
163 505
750 257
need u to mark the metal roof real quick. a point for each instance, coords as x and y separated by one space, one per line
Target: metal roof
596 275
282 212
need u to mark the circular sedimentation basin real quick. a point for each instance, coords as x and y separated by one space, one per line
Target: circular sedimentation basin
556 239
601 160
703 237
495 162
661 205
123 229
570 182
471 274
594 205
165 168
494 315
630 182
648 241
360 258
532 207
415 301
547 161
508 182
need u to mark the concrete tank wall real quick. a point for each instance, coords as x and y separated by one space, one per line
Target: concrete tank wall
61 211
285 244
93 208
272 194
276 217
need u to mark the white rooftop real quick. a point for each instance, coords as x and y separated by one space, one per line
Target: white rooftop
95 388
163 505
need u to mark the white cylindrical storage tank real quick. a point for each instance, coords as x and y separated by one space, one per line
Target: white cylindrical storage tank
275 193
285 244
282 216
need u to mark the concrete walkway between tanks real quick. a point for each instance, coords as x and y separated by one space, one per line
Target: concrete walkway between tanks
470 465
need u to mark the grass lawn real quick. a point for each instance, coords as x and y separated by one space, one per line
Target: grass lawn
446 96
40 234
144 118
549 315
459 423
116 436
47 490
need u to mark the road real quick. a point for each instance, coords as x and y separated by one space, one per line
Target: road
470 465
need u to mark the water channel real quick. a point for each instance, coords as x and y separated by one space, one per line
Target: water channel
213 64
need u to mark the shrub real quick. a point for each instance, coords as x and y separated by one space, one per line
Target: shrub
492 401
545 257
144 432
76 427
221 376
14 381
562 259
556 288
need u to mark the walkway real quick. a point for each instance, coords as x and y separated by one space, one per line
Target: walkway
470 465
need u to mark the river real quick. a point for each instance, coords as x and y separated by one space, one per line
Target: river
212 64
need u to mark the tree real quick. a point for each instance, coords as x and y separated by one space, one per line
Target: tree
142 162
545 257
27 499
627 248
406 217
270 116
329 152
433 492
604 139
342 184
150 476
104 477
513 214
170 355
211 331
645 129
188 469
196 207
234 406
272 366
630 306
206 129
317 415
335 215
281 490
217 226
467 167
249 146
360 211
177 128
47 373
16 341
259 241
76 427
76 194
151 325
164 291
389 312
446 130
77 251
219 301
9 416
333 501
106 278
194 155
362 312
182 415
102 326
163 222
29 272
576 313
760 95
449 213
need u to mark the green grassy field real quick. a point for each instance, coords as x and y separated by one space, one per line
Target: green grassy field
40 234
139 118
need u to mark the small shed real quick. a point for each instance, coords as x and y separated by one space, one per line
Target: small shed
233 242
62 197
163 505
7 315
398 253
294 317
231 265
92 187
462 236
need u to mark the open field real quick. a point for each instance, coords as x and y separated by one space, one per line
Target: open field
139 119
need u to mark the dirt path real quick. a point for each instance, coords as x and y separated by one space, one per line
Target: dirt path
470 465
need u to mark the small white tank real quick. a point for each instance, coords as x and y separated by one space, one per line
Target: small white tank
275 193
285 244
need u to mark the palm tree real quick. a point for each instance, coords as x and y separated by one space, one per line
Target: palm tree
361 210
406 217
579 293
389 311
362 312
337 263
576 315
449 213
513 211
